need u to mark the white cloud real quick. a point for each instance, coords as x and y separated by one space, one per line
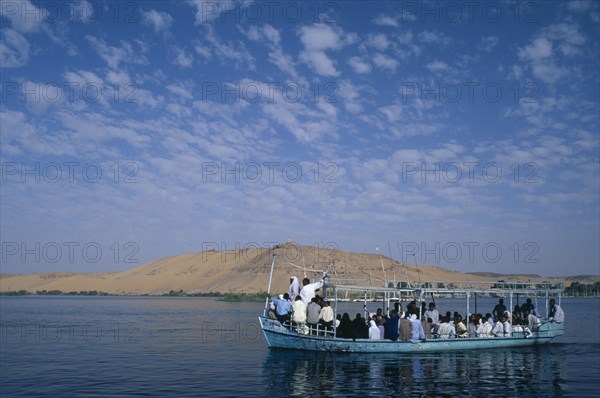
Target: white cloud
317 39
211 45
360 66
23 15
379 41
428 36
539 49
406 37
549 73
567 37
182 58
265 32
159 21
117 55
386 20
488 43
579 5
181 91
385 62
14 49
351 96
270 36
209 10
437 66
546 63
320 62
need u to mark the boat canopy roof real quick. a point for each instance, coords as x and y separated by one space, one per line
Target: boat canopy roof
498 288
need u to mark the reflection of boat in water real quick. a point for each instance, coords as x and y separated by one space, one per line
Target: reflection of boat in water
530 371
300 337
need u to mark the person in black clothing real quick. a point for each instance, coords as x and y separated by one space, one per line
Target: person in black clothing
360 328
499 309
345 329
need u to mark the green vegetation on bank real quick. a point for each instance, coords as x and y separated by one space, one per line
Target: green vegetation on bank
239 297
56 293
583 289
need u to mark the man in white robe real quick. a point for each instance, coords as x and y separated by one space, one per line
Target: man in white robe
308 289
293 291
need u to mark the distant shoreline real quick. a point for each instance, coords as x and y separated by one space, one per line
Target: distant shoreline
227 297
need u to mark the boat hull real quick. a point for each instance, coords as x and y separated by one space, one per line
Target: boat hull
277 336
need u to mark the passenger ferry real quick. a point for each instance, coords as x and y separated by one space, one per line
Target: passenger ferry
300 337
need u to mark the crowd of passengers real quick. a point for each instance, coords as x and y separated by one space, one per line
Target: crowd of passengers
303 308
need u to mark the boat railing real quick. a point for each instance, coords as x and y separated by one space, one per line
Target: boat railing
309 329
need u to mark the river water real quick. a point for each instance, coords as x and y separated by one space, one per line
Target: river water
144 346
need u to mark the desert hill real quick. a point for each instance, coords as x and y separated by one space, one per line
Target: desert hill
247 270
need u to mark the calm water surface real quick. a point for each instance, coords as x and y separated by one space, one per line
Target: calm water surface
115 346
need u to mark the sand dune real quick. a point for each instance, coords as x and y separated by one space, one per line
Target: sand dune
245 271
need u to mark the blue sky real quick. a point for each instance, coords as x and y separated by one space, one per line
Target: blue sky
459 134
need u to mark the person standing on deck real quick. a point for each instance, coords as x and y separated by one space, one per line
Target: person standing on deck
293 291
499 308
308 289
391 326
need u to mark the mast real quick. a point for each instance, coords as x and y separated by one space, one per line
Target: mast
269 286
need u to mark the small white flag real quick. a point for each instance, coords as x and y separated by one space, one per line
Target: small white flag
377 249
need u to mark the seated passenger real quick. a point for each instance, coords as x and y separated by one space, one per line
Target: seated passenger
313 310
498 330
298 311
374 333
461 329
380 324
533 322
485 329
283 307
529 307
517 315
326 315
556 313
344 330
433 314
506 326
472 329
445 329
